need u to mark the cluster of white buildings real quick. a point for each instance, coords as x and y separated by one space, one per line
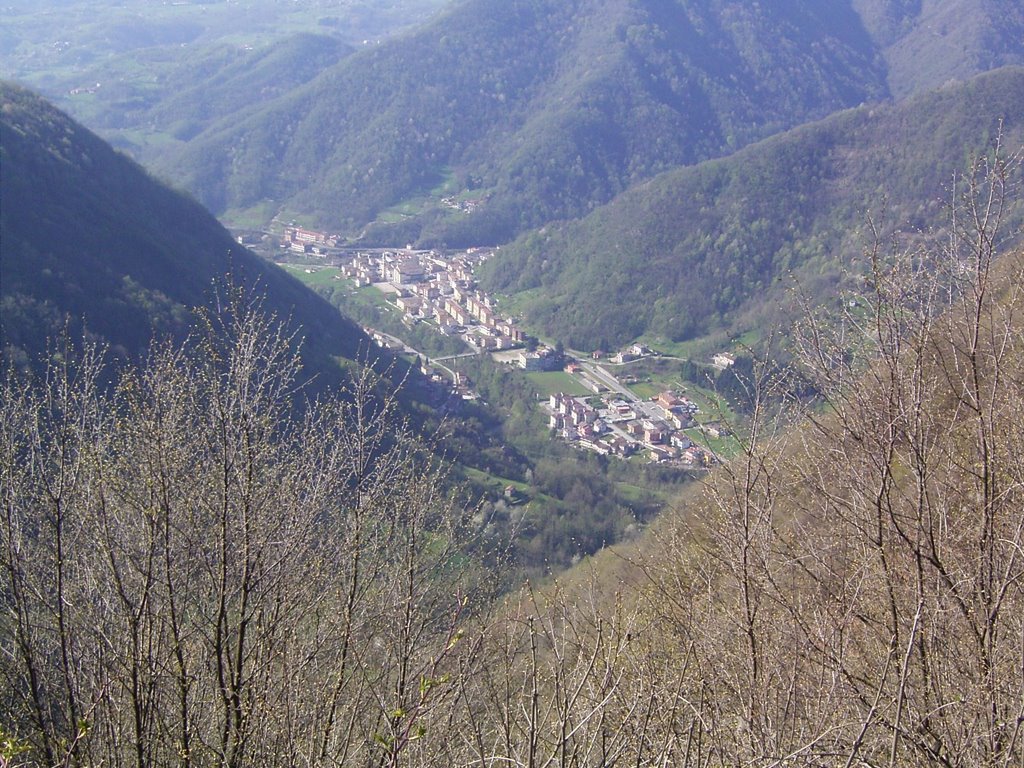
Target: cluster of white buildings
618 428
429 286
633 352
301 240
465 206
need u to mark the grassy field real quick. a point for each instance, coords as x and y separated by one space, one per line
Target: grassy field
495 482
314 276
392 217
254 217
636 493
364 297
347 297
683 349
552 382
712 406
652 375
497 485
748 339
646 390
700 349
418 204
513 305
723 447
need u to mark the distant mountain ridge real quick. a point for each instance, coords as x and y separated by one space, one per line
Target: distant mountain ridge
88 238
928 43
537 110
543 109
697 250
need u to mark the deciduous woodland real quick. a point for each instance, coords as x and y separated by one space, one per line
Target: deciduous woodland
195 572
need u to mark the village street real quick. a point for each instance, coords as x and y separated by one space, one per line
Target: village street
600 374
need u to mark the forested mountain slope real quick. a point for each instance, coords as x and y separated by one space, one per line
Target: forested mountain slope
695 249
537 110
87 237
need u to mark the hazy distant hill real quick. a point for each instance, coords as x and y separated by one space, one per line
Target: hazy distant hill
56 45
86 234
693 250
927 43
225 81
542 108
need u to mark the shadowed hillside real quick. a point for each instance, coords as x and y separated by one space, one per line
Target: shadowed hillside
89 238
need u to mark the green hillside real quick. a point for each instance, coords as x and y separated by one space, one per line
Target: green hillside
537 110
698 249
87 237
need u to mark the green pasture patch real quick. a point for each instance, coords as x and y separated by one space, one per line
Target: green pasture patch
314 276
553 382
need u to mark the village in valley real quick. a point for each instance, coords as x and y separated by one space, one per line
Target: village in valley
438 289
